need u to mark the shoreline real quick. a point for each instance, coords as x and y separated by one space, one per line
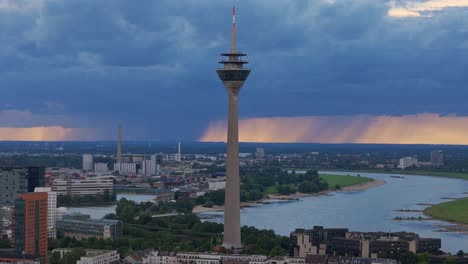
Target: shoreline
292 197
454 226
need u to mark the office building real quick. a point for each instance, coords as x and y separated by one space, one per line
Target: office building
87 162
77 187
15 180
260 153
407 162
233 75
81 226
30 228
36 177
51 210
340 242
101 167
437 158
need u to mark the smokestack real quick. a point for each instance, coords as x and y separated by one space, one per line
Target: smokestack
119 144
179 157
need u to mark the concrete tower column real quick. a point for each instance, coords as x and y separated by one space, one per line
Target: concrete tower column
232 199
233 75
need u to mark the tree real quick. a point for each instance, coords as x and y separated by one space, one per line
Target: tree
409 258
449 260
424 258
55 258
460 253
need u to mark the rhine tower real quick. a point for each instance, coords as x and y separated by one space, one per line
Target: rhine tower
233 75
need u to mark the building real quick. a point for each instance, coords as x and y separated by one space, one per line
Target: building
93 256
61 211
87 161
77 187
313 241
233 75
81 226
407 162
126 168
437 158
51 210
16 180
101 167
30 229
36 177
340 242
260 153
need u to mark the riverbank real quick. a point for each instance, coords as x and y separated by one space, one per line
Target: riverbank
454 212
444 174
296 196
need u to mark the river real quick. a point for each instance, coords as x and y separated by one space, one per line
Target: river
369 210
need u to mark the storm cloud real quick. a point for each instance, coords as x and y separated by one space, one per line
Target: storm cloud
150 65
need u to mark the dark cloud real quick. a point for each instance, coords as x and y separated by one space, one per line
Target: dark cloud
150 65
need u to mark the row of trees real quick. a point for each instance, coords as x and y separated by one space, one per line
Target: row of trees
256 181
183 232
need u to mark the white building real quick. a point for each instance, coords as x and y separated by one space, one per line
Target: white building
51 210
101 167
88 186
126 168
99 257
61 211
218 185
87 162
407 162
93 256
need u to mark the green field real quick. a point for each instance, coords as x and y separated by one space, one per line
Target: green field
343 181
456 211
446 174
332 181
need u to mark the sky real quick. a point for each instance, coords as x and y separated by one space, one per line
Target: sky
360 71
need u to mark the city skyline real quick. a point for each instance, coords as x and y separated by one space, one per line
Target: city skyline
376 66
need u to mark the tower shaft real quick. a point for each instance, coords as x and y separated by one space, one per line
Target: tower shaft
232 237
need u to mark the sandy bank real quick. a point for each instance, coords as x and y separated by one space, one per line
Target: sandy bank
358 187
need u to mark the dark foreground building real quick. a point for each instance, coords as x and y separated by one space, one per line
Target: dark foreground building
17 180
341 242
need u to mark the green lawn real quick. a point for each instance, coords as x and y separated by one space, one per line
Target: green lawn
456 211
332 181
342 180
446 174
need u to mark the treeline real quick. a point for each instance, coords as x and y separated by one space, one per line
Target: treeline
259 182
101 198
184 232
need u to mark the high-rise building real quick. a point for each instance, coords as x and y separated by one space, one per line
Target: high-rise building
437 158
87 162
30 231
36 177
14 181
260 153
51 209
233 75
